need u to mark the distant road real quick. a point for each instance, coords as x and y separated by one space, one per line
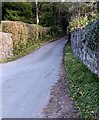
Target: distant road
26 82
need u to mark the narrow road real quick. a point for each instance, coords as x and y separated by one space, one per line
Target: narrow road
26 82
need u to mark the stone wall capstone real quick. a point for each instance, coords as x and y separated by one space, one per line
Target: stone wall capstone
87 56
6 45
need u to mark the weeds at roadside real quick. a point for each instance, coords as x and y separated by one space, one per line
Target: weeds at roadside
83 84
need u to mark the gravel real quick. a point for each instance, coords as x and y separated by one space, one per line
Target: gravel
60 103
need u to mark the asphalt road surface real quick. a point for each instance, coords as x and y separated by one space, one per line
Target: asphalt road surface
26 82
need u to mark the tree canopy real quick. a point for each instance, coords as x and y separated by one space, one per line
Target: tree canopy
50 13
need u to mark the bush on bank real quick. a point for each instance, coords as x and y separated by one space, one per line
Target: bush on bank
28 37
23 34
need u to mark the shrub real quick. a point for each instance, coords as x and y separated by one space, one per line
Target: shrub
78 22
56 31
23 34
82 21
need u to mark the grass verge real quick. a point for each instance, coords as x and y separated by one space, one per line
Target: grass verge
83 84
21 53
29 49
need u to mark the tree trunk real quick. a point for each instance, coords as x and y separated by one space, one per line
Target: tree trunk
37 20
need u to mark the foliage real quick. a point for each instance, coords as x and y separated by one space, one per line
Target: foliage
50 14
23 34
78 22
82 21
47 14
19 11
83 86
92 35
93 17
56 31
82 14
26 37
22 53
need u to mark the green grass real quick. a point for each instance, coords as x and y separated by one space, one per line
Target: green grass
30 48
23 52
83 84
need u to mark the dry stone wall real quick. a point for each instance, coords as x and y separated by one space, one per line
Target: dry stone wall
6 45
88 57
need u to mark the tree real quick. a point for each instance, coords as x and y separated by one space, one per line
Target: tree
21 11
50 14
37 19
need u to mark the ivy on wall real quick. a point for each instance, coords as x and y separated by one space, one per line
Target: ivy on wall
92 36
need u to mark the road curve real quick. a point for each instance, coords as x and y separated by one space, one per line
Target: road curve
26 82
